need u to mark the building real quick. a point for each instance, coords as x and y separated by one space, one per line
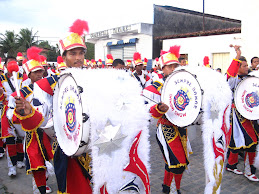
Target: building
123 41
198 35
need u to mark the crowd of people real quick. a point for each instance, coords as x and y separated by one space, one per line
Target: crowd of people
24 115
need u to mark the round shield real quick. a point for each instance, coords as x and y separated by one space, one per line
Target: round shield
182 93
67 114
246 98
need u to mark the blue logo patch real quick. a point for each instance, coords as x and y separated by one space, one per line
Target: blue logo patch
252 100
181 100
70 117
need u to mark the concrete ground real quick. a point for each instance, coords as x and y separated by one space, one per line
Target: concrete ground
192 182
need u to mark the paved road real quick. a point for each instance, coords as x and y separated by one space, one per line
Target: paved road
194 182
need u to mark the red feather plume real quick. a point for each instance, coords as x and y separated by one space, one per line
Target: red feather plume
136 56
33 53
129 61
145 60
42 58
12 66
0 59
79 26
175 50
100 60
206 60
92 60
19 54
162 52
109 56
59 60
157 59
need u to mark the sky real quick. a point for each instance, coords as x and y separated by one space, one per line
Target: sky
51 19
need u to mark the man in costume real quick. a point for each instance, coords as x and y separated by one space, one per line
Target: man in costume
37 144
143 79
244 134
1 107
71 172
254 64
14 146
172 140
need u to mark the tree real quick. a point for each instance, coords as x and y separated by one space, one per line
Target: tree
51 51
90 51
26 39
8 43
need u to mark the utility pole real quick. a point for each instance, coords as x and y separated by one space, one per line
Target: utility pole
203 26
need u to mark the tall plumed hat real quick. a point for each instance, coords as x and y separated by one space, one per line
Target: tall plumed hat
43 60
60 63
75 39
145 62
109 59
34 60
206 61
137 59
19 56
170 57
128 63
1 66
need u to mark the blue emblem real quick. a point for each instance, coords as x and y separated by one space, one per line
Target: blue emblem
181 100
252 100
70 116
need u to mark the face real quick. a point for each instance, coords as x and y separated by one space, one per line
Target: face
168 69
119 66
74 57
255 62
243 69
36 75
183 62
139 67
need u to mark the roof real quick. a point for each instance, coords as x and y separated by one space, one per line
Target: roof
201 33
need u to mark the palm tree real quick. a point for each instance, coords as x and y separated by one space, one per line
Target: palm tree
26 39
8 43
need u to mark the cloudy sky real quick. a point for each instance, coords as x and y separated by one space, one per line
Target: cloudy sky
52 18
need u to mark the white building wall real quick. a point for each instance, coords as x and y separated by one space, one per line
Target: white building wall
250 29
199 47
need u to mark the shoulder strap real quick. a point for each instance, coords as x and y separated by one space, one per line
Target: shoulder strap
10 83
137 77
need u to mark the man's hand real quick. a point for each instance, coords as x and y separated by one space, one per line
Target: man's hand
1 91
237 49
162 107
22 104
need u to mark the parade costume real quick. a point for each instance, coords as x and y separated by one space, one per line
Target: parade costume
171 139
244 134
65 167
143 79
60 64
109 60
1 107
14 145
37 144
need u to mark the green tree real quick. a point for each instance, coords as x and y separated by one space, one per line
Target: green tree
90 51
51 51
8 43
26 39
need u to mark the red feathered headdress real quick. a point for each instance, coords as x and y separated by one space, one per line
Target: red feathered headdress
33 53
206 61
171 56
109 59
19 54
109 56
79 26
60 59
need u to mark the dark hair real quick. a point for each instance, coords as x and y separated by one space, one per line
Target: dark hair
7 58
242 58
181 58
116 62
218 69
253 59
